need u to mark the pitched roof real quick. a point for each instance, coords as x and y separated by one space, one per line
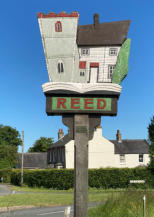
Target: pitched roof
61 142
112 33
135 146
33 160
129 146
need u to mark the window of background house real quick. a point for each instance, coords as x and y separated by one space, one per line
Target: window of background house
110 71
140 157
85 51
113 51
60 67
122 158
82 73
58 26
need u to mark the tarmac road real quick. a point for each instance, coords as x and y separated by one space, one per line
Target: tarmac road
4 190
41 212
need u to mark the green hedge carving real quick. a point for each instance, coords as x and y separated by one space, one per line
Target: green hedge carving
121 68
62 179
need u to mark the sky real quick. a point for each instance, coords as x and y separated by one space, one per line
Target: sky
23 67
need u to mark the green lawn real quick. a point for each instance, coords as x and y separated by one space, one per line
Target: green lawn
46 199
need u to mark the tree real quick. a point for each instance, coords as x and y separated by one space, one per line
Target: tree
9 142
151 139
41 145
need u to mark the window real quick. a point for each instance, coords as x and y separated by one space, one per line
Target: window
82 73
60 67
122 158
110 71
113 51
58 26
85 51
141 158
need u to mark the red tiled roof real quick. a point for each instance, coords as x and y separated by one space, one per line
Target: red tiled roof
61 14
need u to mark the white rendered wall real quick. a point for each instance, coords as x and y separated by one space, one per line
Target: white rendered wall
131 160
101 154
69 154
60 46
100 55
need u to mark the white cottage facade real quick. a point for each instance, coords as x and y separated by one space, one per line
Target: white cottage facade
103 153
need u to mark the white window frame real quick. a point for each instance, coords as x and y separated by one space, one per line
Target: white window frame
141 156
110 71
122 158
85 51
113 51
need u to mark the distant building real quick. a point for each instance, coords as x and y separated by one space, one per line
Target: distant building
102 152
37 160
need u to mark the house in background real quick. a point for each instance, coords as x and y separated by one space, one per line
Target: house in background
103 153
34 160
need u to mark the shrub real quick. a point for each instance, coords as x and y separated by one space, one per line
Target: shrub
62 179
5 173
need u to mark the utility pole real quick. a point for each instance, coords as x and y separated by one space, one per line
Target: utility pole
22 160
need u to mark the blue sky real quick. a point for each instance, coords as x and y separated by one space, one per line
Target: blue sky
23 68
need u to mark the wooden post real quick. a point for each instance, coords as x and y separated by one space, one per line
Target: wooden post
22 160
144 206
81 131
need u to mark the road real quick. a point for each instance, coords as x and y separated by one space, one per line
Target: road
41 212
4 190
57 211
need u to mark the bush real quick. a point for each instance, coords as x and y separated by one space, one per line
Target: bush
62 179
6 174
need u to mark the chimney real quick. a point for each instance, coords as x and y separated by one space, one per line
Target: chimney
118 136
96 20
60 134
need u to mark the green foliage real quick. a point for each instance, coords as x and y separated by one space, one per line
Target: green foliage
6 174
121 68
48 178
9 136
62 179
9 142
151 138
128 204
41 145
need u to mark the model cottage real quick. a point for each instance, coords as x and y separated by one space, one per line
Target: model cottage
86 57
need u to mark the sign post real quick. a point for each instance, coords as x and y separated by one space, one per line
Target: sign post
85 75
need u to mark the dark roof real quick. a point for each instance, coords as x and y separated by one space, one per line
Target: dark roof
131 146
112 33
33 160
61 142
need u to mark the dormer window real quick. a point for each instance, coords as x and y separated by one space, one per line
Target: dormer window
113 52
58 26
60 67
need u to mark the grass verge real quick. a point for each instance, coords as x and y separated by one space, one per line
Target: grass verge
45 199
126 204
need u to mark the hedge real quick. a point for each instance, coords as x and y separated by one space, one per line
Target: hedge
5 174
62 179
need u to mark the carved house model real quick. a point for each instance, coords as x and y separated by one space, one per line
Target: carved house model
86 55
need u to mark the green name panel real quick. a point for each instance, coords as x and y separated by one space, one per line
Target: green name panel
81 104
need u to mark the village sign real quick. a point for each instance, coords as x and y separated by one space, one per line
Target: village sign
86 65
